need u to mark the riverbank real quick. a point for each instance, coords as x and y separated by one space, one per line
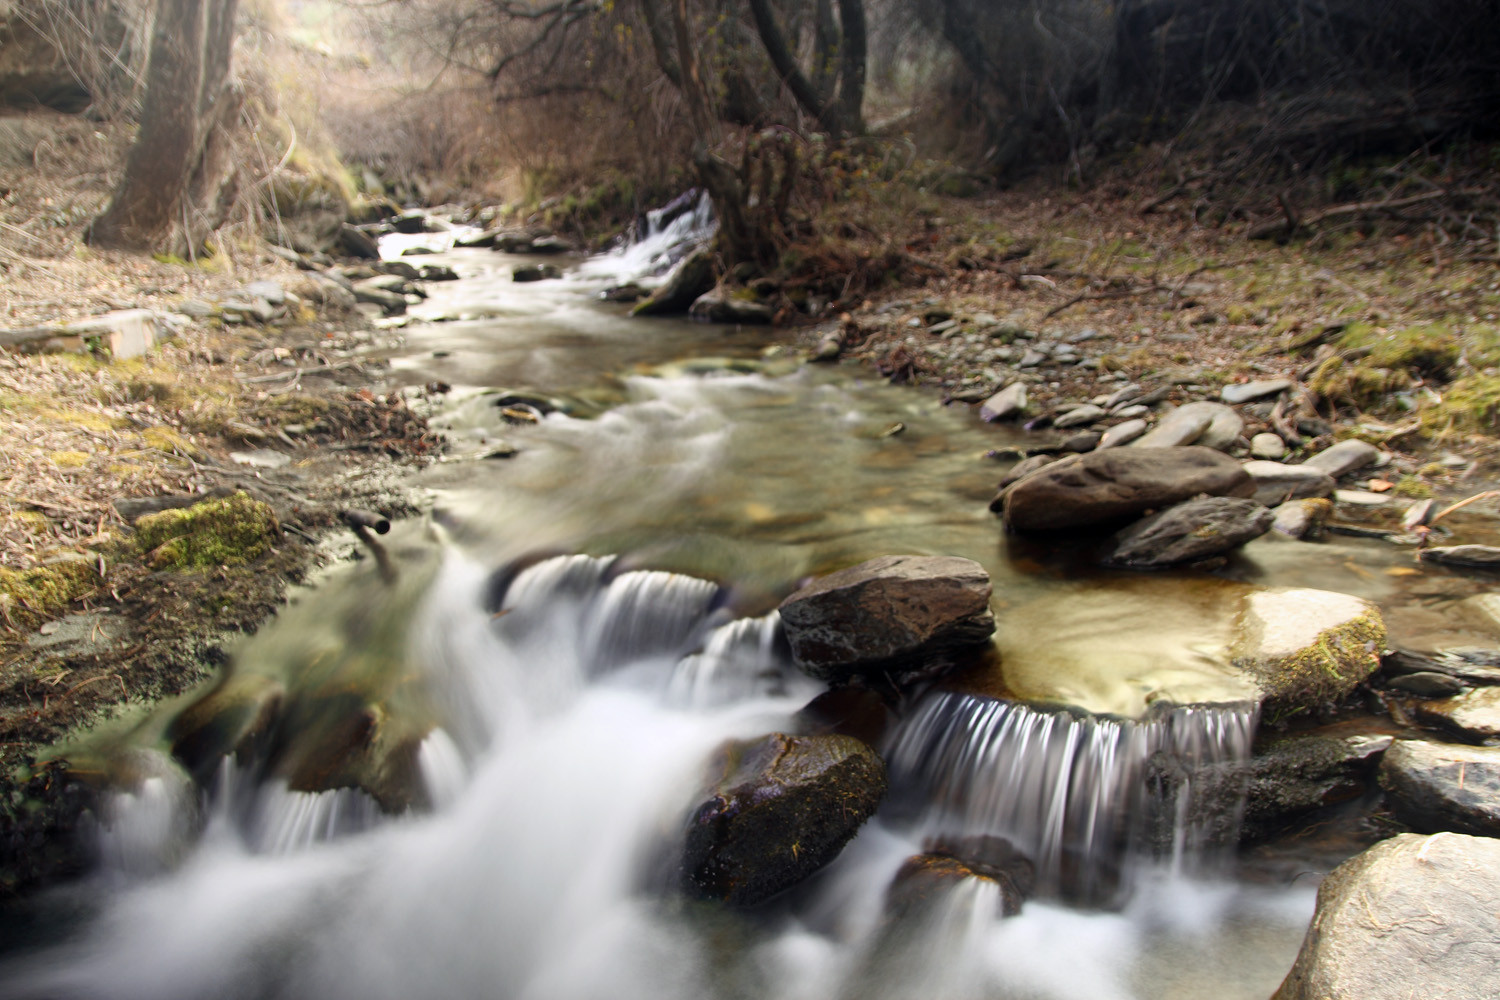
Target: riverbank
258 402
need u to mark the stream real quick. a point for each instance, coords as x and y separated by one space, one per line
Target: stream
576 628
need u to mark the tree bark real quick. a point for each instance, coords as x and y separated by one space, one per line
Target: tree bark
178 183
842 116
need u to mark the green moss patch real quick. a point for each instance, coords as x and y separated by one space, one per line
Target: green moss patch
1431 349
30 597
235 529
1471 405
1341 383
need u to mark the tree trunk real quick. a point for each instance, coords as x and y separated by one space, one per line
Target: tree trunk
179 178
841 117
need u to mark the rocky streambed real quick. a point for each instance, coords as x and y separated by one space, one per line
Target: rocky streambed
771 694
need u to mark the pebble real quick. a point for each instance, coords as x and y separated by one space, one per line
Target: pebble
1268 446
1363 498
1086 414
1123 433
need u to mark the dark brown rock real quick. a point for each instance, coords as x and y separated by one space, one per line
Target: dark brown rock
1433 787
896 614
781 807
924 879
1107 487
1189 532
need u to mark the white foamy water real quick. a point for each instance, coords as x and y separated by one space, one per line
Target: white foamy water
544 870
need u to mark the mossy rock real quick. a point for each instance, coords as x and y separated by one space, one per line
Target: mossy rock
1306 648
779 808
30 597
1339 382
226 532
1430 349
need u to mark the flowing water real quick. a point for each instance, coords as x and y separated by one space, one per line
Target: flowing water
574 631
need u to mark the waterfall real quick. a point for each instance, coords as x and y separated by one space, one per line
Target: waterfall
1079 796
659 239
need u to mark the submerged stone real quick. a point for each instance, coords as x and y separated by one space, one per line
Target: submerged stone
1412 916
896 614
781 807
924 880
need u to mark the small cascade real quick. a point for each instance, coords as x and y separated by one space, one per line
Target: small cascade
614 620
1080 796
645 614
282 821
739 661
659 239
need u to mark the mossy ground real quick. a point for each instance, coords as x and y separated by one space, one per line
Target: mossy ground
30 597
225 532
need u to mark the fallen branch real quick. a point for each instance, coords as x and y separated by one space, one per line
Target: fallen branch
1289 223
299 372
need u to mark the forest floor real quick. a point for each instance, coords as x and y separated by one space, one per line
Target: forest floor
1388 332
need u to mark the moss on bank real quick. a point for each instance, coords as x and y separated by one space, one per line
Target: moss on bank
235 529
30 597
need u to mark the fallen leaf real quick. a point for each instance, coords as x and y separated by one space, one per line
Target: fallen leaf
1380 485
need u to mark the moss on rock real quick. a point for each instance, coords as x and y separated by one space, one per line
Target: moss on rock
224 532
1306 648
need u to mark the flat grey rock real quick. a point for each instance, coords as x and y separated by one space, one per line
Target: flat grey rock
1122 433
1276 483
1244 392
1211 425
1344 457
1475 556
1080 416
1005 404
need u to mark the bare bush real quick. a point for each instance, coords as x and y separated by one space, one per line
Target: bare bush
102 45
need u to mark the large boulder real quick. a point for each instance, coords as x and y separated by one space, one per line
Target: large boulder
692 276
1411 917
1438 786
895 614
1107 487
1189 532
1304 648
781 807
